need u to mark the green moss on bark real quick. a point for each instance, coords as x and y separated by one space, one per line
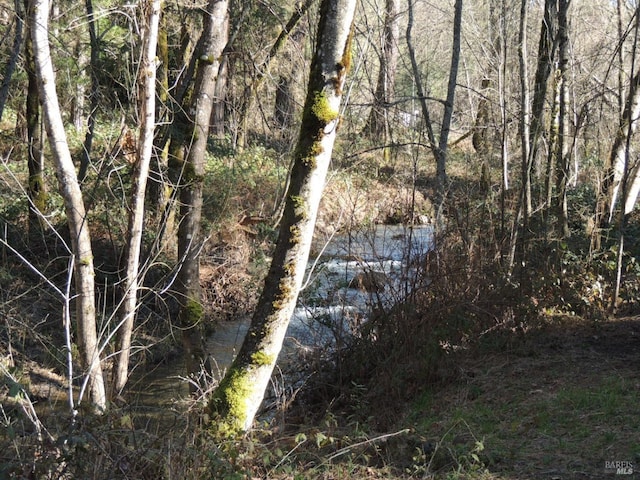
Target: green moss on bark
295 237
193 312
185 170
285 291
228 405
260 358
344 65
322 110
38 193
299 207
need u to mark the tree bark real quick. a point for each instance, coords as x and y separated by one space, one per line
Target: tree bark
220 100
85 159
37 186
13 58
547 47
524 112
187 159
128 307
618 166
74 207
378 125
524 207
501 49
240 393
284 109
447 115
78 102
417 78
562 152
619 170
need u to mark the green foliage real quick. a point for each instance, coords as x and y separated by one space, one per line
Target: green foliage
244 182
114 69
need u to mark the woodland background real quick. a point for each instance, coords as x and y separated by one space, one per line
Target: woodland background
507 125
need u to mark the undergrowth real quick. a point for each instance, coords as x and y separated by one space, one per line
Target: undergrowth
365 411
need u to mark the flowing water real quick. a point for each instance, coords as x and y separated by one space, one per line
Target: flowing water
333 300
336 299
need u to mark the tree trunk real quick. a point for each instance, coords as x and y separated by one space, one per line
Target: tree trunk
13 58
417 78
562 155
85 160
239 395
284 109
547 46
618 166
147 79
188 149
620 57
251 89
161 190
74 207
483 138
524 207
501 48
524 112
37 186
628 172
447 115
378 125
220 101
82 64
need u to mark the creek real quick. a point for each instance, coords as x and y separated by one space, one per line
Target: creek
347 276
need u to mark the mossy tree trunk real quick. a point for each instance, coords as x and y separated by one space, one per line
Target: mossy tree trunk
147 79
187 159
239 395
74 206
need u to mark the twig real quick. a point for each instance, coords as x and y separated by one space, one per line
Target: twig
369 441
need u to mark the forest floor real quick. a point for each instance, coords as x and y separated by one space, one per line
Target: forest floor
558 401
561 402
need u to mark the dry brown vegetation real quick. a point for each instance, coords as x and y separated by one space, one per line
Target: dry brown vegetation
472 376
